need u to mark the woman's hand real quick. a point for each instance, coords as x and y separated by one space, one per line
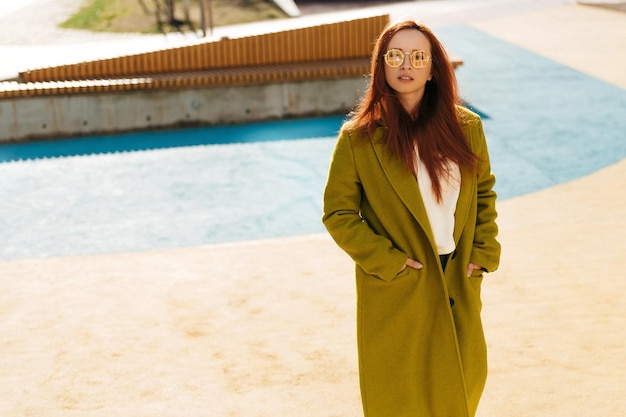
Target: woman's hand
411 263
471 267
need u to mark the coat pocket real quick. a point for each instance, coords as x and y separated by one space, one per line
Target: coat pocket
476 281
405 272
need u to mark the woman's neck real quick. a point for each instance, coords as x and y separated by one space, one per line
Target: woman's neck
410 101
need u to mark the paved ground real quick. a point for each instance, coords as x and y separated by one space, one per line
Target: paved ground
267 327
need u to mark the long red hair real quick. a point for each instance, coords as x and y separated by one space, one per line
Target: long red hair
434 127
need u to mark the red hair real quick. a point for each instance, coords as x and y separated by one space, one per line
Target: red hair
434 127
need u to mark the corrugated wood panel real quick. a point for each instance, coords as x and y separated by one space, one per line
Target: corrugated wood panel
339 40
316 52
204 78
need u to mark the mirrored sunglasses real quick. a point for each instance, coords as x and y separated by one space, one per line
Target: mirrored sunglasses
395 57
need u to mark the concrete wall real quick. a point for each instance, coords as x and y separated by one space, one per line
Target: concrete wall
73 115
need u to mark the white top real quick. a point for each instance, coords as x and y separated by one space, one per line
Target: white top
441 215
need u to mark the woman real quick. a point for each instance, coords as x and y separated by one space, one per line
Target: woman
409 197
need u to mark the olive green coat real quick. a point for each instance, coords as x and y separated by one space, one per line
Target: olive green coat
418 356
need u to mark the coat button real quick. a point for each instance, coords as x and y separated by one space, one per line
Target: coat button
451 302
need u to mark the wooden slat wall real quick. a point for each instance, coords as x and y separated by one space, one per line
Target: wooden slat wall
203 78
342 40
331 51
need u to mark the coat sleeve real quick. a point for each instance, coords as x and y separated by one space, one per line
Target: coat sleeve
486 249
342 216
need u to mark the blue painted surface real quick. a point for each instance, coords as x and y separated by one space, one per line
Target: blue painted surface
215 135
547 124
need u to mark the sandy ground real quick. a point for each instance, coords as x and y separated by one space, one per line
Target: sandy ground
266 328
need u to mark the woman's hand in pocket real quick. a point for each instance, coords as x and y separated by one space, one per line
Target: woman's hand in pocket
471 267
412 264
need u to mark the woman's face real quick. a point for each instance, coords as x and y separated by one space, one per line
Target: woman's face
407 80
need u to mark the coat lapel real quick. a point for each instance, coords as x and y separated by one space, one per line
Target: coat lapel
468 184
403 183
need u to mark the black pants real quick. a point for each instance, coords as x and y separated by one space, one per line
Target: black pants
444 261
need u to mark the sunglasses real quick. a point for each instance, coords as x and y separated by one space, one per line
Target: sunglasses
418 58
